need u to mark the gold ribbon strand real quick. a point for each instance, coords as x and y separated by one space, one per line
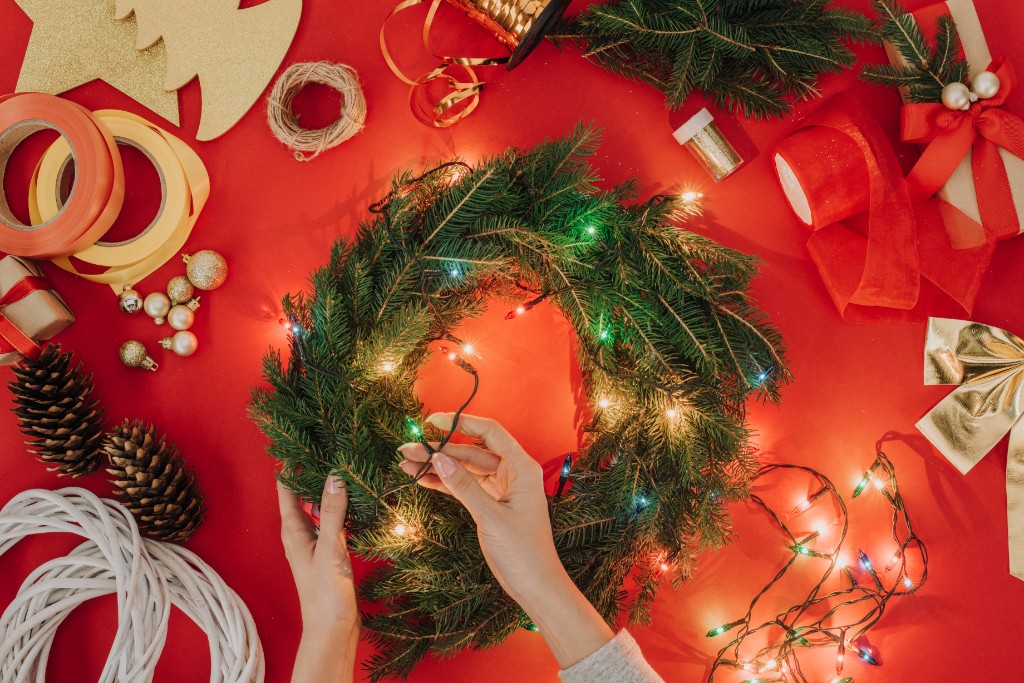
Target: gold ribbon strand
516 24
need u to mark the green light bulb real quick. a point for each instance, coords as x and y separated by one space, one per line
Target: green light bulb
862 484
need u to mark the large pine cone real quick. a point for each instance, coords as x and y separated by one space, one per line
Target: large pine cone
54 406
155 483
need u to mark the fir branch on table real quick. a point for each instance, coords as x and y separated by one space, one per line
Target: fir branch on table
928 67
664 322
754 56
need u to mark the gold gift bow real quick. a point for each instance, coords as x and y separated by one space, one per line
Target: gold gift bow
988 364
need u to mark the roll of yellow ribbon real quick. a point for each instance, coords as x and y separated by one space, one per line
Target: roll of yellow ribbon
185 187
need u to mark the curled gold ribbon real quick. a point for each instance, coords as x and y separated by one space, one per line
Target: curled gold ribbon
988 365
516 24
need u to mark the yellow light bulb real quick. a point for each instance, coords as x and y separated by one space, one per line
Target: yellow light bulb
388 367
604 403
468 348
671 412
400 530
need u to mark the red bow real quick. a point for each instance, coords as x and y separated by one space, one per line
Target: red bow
11 336
950 135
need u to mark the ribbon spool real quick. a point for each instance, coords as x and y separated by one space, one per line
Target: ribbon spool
870 243
95 198
824 176
185 187
519 25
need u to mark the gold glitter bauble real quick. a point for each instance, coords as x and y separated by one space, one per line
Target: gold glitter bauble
134 355
206 269
180 290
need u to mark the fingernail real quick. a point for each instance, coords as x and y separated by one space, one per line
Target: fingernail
315 510
406 446
444 465
433 419
334 484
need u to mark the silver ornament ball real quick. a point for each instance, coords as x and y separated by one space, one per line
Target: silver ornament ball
985 85
134 355
956 96
180 290
183 344
129 300
206 269
157 305
181 317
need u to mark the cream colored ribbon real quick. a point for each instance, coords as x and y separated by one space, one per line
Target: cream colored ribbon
988 365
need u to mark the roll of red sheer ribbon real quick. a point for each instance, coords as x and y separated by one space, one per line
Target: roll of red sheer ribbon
871 245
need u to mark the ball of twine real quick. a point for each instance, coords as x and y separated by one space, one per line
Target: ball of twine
309 144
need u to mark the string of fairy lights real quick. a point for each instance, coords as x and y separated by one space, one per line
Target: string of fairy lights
838 618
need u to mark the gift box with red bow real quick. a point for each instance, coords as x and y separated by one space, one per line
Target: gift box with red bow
979 147
30 311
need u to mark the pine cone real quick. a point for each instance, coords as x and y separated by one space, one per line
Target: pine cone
53 404
156 485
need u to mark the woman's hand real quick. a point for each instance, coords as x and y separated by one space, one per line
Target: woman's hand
323 576
503 489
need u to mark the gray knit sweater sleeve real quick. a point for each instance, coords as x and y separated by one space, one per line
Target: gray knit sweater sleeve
619 661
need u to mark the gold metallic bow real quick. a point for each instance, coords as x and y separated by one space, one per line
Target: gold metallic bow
988 364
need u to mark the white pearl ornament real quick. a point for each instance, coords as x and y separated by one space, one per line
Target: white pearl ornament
181 317
183 344
985 85
956 96
156 306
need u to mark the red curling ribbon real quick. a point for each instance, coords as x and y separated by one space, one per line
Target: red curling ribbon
871 244
951 134
11 336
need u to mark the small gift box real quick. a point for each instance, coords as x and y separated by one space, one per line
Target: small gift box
959 190
30 311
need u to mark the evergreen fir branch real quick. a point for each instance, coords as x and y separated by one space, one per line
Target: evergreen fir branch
716 47
927 69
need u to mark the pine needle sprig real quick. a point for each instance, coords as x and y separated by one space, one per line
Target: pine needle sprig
754 56
928 67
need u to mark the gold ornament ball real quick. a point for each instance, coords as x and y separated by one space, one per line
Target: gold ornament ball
183 344
130 301
206 269
956 96
985 85
134 355
181 317
180 290
157 305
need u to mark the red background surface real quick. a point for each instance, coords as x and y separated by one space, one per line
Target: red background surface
274 219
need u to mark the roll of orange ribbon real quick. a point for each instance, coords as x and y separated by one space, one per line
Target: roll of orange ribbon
98 191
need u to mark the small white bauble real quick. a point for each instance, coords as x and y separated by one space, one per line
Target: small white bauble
956 96
156 306
181 317
985 85
183 343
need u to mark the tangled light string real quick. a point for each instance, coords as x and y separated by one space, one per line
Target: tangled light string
147 577
838 618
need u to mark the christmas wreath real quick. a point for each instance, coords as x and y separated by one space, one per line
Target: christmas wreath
669 341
